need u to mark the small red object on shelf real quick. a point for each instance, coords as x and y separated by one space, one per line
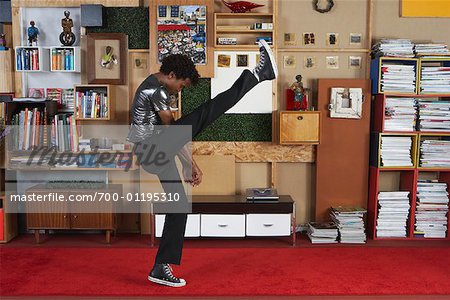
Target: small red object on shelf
295 104
241 6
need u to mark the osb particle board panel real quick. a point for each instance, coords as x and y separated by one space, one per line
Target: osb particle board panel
219 175
343 154
257 151
72 3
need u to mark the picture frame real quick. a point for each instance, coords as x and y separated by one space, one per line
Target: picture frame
355 39
332 39
175 28
309 38
242 60
354 62
224 61
346 103
290 39
289 61
332 62
309 62
106 58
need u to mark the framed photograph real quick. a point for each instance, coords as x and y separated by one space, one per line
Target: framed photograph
309 38
289 61
346 103
290 39
332 39
332 62
309 62
355 38
107 58
242 60
55 94
354 62
223 61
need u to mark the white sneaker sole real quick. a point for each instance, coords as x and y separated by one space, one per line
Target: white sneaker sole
163 282
272 59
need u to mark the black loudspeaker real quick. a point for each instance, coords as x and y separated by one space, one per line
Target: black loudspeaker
91 15
5 12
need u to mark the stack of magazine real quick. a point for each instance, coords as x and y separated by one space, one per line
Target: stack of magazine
350 222
435 79
393 214
322 233
431 209
400 114
431 49
396 151
435 153
393 47
434 115
398 77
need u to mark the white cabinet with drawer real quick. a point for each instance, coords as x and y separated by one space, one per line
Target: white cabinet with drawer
268 225
215 225
192 225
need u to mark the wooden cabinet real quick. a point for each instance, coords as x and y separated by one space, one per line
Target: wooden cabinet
70 214
299 127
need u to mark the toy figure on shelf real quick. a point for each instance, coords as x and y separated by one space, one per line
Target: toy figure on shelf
108 59
33 33
300 96
67 37
241 6
3 42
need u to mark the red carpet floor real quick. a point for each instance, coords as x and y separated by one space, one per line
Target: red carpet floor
227 272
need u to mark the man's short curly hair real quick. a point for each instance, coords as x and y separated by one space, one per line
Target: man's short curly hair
182 66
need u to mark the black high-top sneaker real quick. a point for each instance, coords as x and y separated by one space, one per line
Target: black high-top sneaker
267 67
162 274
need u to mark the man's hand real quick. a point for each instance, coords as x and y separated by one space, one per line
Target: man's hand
194 177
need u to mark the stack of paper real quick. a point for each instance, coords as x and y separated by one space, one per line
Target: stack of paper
322 232
431 49
393 47
431 209
435 153
393 211
400 114
398 77
396 151
434 115
350 222
435 80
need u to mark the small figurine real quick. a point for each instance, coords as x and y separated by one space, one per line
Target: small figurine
300 98
67 37
3 40
33 33
241 6
108 59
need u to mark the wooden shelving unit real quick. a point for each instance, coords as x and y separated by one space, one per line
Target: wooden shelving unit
24 59
106 90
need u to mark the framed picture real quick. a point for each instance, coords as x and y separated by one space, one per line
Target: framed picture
309 62
355 38
182 27
107 58
223 61
289 61
354 62
290 39
332 39
346 103
242 60
332 62
309 38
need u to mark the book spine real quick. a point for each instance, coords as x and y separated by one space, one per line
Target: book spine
54 60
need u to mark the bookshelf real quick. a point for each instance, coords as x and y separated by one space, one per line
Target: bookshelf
436 64
84 95
381 66
406 178
242 28
32 59
65 59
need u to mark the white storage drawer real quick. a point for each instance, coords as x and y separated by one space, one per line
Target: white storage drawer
222 225
268 224
192 225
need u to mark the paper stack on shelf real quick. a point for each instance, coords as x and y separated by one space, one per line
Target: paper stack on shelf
393 47
398 77
431 49
396 151
350 222
400 114
393 211
434 115
431 209
435 154
322 233
435 80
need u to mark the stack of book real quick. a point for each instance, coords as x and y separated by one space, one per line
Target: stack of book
400 114
63 59
435 153
431 49
435 80
434 115
322 233
350 222
29 129
398 77
393 211
27 59
431 209
396 151
393 47
92 104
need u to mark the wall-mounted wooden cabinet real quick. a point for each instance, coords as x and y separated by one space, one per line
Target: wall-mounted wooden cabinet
299 127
